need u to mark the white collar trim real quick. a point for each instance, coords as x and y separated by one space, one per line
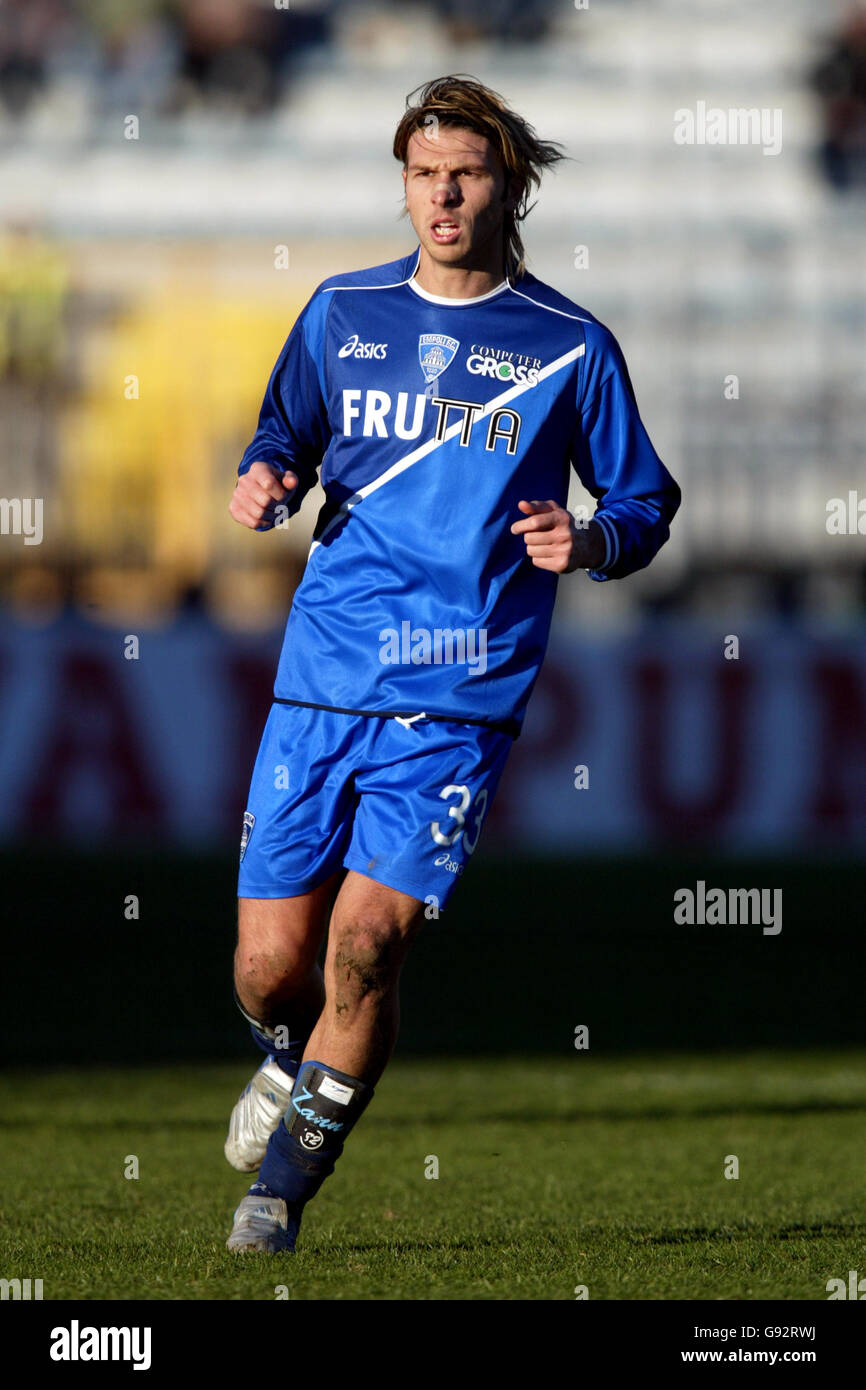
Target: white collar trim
450 301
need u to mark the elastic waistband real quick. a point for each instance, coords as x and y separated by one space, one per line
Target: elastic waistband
504 726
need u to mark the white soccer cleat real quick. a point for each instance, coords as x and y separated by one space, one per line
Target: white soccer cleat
255 1117
263 1223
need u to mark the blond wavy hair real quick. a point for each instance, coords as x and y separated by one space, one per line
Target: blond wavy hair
460 100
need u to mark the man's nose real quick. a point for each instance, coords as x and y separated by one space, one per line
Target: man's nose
446 191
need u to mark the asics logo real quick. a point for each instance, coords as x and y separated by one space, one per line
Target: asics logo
444 861
355 348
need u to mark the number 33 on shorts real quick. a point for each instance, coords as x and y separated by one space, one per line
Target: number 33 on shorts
448 834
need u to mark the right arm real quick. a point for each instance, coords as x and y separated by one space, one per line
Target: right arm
257 493
281 463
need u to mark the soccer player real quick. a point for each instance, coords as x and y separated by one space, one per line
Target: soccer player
442 400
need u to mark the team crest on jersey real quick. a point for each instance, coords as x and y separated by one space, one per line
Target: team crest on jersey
436 352
249 822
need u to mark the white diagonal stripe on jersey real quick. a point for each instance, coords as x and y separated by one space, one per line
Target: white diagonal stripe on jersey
451 433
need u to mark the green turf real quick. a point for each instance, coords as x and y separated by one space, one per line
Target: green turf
552 1174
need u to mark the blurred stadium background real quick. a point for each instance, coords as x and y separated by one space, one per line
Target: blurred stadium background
175 179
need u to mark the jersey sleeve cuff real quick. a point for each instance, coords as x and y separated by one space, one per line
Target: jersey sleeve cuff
265 455
611 546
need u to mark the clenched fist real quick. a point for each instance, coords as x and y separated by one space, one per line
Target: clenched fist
258 493
555 542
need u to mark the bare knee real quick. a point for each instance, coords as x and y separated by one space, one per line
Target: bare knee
278 942
264 978
368 956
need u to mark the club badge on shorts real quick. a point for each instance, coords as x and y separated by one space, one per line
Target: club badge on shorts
249 822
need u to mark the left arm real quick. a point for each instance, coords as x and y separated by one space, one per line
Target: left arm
616 462
555 542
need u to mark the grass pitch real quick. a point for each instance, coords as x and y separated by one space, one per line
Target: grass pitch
607 1173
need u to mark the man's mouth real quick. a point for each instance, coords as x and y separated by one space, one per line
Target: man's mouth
445 231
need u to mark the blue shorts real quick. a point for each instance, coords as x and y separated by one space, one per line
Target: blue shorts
403 804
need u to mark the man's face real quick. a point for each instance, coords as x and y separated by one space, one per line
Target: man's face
456 196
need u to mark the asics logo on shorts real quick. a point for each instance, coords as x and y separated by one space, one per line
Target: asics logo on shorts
444 861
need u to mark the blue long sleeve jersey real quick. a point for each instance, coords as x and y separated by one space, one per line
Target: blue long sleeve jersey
430 419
